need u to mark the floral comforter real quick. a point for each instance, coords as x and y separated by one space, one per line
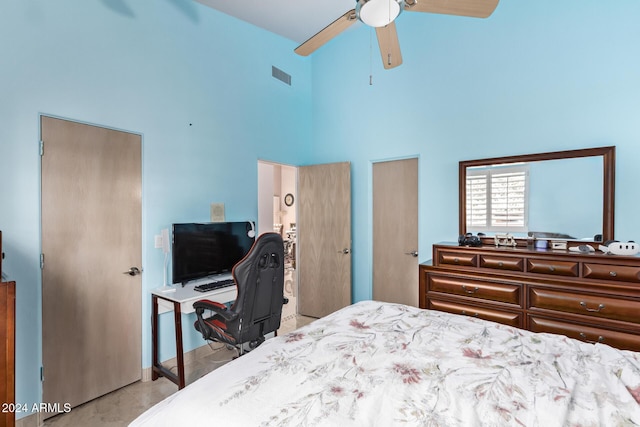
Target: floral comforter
381 364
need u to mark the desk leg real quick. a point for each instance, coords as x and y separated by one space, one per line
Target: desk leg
154 336
157 369
179 351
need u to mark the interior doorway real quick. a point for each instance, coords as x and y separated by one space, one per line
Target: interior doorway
277 197
311 207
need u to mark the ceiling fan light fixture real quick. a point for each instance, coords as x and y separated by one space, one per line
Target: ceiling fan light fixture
378 13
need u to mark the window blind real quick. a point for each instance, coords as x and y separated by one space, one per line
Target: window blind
497 199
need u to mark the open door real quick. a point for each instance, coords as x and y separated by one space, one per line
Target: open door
324 238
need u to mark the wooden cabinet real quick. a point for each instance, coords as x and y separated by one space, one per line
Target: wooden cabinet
592 297
7 346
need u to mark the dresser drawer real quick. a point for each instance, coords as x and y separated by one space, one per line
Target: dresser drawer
501 292
502 263
504 317
590 305
592 334
612 272
553 267
457 258
592 297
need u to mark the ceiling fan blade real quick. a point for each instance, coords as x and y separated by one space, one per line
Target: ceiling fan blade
389 46
473 8
327 33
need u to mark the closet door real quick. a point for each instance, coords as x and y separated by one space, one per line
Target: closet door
395 231
91 235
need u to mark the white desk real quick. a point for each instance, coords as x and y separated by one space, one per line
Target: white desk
186 296
179 301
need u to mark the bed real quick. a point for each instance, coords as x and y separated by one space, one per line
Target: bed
383 364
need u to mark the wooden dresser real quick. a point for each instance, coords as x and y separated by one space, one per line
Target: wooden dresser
7 347
592 297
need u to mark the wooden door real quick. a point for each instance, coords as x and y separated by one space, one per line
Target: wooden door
91 234
324 238
395 231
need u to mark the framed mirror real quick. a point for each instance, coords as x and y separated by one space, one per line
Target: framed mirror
565 194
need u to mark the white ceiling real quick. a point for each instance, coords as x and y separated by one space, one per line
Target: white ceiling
296 20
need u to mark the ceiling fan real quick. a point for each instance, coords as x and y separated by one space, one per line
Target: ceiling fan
381 14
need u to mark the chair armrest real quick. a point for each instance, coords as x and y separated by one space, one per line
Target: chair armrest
218 308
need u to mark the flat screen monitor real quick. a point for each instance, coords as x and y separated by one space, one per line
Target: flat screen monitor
199 250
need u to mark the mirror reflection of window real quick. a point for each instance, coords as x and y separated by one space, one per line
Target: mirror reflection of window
498 198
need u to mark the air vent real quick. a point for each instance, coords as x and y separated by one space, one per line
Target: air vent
281 75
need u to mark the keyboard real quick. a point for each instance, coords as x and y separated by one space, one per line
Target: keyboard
206 287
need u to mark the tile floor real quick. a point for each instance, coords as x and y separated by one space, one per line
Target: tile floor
122 406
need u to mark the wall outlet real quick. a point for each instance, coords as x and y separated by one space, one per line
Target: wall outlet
157 241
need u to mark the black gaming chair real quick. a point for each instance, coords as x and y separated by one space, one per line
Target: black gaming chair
259 278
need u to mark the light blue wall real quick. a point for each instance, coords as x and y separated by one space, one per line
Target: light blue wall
536 76
196 84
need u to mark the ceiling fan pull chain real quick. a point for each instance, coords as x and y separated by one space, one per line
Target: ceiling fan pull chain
370 56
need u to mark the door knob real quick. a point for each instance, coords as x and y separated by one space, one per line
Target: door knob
413 254
133 271
345 251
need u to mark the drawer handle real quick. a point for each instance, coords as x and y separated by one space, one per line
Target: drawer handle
613 274
470 291
593 310
584 337
552 268
500 264
465 313
456 260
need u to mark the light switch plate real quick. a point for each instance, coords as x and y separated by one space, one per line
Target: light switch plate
217 212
